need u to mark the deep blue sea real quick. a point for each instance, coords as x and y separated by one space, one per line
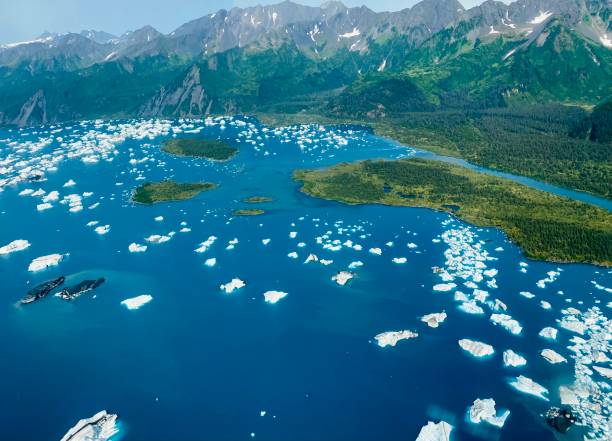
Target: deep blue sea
196 363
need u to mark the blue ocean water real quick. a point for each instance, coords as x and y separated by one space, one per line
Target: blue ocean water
198 364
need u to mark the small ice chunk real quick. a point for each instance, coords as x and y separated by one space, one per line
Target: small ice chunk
476 348
399 260
433 320
14 246
159 218
552 356
484 410
390 338
343 277
507 322
137 302
102 229
293 255
69 183
234 284
513 359
355 264
444 286
471 308
137 248
100 427
376 251
293 234
274 296
265 241
210 262
606 372
528 386
44 206
549 333
44 262
311 258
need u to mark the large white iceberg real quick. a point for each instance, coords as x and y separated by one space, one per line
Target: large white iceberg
528 386
390 338
343 277
552 356
435 432
513 359
100 427
433 320
16 245
274 296
137 302
476 348
234 284
44 262
549 333
507 322
484 410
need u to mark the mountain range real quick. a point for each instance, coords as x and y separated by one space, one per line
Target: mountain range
288 58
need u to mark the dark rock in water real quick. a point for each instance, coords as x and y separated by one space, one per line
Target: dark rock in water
72 292
560 419
42 290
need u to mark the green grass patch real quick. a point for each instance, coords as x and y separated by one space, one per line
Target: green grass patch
257 199
545 226
152 192
201 148
248 212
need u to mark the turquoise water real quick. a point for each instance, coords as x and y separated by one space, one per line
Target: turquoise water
196 363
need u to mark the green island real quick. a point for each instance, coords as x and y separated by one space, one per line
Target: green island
201 148
545 226
152 192
248 212
257 199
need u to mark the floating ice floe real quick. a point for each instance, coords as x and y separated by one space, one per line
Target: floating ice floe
530 387
100 427
399 260
293 234
435 432
444 286
234 284
137 302
44 206
293 255
102 229
484 410
571 322
69 183
157 238
476 348
159 218
545 305
265 241
274 296
552 356
210 262
507 322
44 262
390 338
14 246
137 248
355 264
549 333
433 320
376 251
311 258
527 294
204 246
471 308
604 371
512 359
342 277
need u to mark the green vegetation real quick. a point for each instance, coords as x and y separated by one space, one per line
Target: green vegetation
543 225
257 199
248 212
152 192
203 148
531 141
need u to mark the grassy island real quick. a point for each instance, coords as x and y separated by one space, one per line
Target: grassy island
545 226
257 199
248 212
202 148
152 192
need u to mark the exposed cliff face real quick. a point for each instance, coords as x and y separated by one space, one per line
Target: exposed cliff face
187 98
33 111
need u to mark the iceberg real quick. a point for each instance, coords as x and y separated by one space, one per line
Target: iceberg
471 308
69 183
274 296
399 260
549 333
376 251
603 371
343 277
137 302
355 264
434 320
102 229
435 432
476 348
513 359
311 258
444 286
528 386
234 284
484 410
204 246
14 246
137 248
507 322
390 338
553 357
100 427
210 262
44 262
159 218
156 238
265 241
293 255
44 206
